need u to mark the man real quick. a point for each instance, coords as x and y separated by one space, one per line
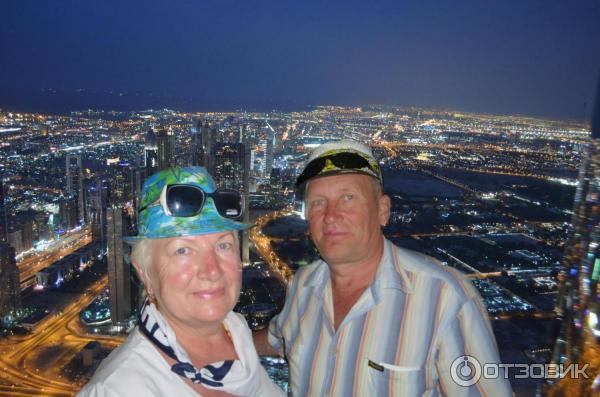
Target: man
372 319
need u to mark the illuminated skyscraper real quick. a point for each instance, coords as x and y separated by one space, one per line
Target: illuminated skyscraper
197 150
150 153
98 203
75 183
165 143
229 165
269 153
207 143
3 215
578 304
119 277
10 287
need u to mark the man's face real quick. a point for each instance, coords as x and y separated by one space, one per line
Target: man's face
345 217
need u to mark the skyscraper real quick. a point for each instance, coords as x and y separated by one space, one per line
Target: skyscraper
119 278
98 204
197 152
165 143
10 287
150 153
3 215
207 143
269 152
229 165
578 304
75 183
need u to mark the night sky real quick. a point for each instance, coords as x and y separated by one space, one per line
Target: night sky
538 58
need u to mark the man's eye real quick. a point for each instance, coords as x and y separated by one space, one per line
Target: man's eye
348 197
316 203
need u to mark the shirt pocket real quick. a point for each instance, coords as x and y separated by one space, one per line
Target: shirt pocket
395 380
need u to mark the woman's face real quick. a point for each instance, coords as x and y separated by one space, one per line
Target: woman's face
196 279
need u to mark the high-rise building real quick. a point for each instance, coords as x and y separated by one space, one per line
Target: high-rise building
67 212
3 215
165 143
578 304
207 144
269 153
98 204
10 287
229 160
197 152
74 173
119 277
246 198
150 153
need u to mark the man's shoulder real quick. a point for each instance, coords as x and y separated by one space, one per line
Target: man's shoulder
310 273
426 268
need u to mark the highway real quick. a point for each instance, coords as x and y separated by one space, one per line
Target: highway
63 336
33 263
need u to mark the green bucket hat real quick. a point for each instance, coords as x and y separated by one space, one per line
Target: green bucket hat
154 223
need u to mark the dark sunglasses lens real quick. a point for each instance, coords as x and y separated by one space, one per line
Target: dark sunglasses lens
311 170
349 161
184 201
228 203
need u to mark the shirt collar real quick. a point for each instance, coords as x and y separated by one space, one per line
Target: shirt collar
390 273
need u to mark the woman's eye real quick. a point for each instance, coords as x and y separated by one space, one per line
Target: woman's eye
182 251
225 246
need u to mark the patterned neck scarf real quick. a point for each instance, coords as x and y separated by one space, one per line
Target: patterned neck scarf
156 329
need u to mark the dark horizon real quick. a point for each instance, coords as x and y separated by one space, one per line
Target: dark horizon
511 58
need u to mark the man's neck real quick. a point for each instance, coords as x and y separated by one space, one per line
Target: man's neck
349 281
353 275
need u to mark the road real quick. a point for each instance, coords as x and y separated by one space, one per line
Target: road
63 336
68 244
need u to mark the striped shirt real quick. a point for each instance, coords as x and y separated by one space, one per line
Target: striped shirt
399 339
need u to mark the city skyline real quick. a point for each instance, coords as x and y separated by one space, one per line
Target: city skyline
522 58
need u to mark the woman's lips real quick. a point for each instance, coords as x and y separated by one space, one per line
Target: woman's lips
210 293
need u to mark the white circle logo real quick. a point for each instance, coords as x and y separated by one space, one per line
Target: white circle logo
465 371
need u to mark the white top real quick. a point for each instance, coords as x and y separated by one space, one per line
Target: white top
137 368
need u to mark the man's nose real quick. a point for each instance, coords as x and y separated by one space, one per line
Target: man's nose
331 213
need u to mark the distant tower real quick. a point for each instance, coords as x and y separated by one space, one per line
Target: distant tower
165 143
197 150
75 184
269 154
578 304
207 148
10 287
228 165
119 277
150 153
98 198
3 215
246 198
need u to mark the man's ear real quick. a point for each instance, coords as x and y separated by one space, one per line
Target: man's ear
384 209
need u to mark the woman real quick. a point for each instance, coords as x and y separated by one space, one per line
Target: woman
188 342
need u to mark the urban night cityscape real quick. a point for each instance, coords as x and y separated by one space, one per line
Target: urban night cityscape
484 117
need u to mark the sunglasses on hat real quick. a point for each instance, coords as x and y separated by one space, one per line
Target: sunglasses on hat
342 160
185 201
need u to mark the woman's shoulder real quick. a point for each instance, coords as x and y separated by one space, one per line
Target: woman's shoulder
135 365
